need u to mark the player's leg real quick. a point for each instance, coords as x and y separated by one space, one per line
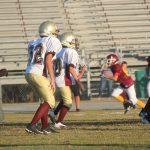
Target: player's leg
67 99
117 94
120 95
42 86
77 101
76 92
58 107
127 103
52 113
132 96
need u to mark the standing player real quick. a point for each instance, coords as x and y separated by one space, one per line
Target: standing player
145 113
125 80
66 64
41 52
75 87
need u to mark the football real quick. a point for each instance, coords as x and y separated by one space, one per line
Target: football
107 74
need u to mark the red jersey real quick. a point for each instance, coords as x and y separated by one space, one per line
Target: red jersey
124 78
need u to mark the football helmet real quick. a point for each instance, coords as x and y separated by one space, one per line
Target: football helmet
48 28
68 39
112 59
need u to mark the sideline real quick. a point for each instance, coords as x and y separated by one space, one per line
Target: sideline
93 104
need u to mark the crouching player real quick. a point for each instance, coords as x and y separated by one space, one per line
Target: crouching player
65 69
126 83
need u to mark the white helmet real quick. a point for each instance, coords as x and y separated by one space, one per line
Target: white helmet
68 39
48 28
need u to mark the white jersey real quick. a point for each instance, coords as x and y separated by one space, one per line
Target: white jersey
37 50
65 58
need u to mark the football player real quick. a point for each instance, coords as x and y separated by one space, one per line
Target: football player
40 54
126 83
145 113
65 69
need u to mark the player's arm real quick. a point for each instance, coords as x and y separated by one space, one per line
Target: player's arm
83 69
73 72
49 65
115 77
76 77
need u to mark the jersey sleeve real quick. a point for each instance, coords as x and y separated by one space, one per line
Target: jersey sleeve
53 45
116 69
73 58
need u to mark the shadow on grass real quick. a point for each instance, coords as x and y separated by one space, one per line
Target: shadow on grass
98 123
80 145
86 123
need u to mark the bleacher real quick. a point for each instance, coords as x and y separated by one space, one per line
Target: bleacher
20 20
103 27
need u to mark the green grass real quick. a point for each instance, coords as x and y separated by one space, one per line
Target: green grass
86 130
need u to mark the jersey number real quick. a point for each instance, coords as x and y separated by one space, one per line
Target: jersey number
57 67
36 54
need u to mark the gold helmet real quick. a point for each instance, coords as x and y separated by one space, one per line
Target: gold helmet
68 39
48 28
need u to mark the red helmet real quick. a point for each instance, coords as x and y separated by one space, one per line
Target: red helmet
112 59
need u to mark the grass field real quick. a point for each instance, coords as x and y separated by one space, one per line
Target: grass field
86 130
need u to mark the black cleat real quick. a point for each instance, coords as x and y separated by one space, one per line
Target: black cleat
143 113
127 105
49 130
33 129
146 120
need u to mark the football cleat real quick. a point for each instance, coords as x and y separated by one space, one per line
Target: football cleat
49 130
59 125
127 109
128 105
143 113
146 120
33 129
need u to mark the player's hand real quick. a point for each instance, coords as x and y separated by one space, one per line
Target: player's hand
107 74
84 68
53 86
